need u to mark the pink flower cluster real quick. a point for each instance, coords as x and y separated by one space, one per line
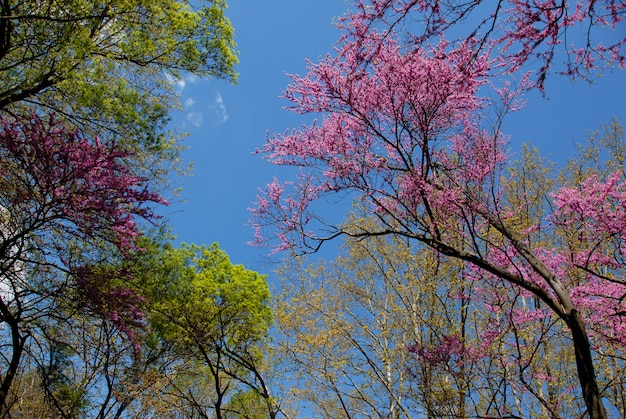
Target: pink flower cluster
517 31
596 210
57 177
61 189
383 132
106 295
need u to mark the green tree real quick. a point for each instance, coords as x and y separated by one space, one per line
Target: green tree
77 364
107 66
105 71
202 352
245 405
213 318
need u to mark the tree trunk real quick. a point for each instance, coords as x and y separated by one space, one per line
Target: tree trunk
17 348
584 364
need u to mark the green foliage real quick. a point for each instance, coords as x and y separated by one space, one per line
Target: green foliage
107 66
64 395
196 293
203 343
108 69
245 405
209 318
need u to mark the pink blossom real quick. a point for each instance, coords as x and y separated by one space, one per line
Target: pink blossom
62 189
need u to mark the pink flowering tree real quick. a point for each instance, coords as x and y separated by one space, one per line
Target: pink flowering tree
402 128
586 34
66 203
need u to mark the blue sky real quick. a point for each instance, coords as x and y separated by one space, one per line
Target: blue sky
226 123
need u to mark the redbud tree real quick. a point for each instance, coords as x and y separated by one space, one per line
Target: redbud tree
586 33
403 128
67 203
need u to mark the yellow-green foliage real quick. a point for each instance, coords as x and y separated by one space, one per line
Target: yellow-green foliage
107 66
197 296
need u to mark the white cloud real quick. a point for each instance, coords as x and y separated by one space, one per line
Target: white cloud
195 118
178 82
220 108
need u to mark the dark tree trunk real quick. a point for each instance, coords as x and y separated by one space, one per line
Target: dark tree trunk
584 364
17 346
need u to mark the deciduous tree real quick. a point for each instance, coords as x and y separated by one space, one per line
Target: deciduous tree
391 329
404 130
66 201
74 186
108 67
346 326
215 317
585 35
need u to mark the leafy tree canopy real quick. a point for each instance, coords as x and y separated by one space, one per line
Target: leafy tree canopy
108 66
196 286
405 128
212 313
